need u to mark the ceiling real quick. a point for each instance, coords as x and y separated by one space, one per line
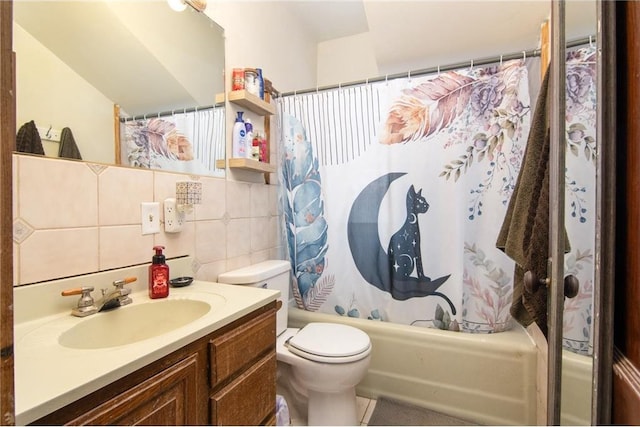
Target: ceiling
408 35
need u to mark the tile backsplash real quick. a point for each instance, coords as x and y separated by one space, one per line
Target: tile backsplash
72 218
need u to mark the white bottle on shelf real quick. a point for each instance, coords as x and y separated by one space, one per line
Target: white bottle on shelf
239 137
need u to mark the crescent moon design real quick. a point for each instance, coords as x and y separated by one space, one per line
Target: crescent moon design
370 257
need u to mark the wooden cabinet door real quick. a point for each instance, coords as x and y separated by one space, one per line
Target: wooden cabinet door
626 367
168 398
250 399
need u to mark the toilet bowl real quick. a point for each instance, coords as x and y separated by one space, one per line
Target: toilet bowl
326 361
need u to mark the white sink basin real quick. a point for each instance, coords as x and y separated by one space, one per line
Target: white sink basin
129 324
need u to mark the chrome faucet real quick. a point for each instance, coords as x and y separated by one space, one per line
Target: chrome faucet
116 298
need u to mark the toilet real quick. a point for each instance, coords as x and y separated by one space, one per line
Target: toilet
322 362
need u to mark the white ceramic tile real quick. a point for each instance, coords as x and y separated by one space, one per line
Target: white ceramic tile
238 262
56 193
177 244
53 254
238 199
273 230
211 270
14 188
275 207
214 199
361 405
259 200
279 252
260 256
260 233
16 264
210 241
124 245
367 415
122 190
238 237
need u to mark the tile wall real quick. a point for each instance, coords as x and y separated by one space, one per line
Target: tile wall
72 218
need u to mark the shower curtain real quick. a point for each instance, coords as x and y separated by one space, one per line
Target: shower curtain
188 142
394 192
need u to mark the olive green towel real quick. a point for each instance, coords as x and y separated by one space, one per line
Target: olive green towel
28 139
68 148
524 235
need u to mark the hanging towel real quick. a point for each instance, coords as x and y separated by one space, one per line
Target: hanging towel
68 147
28 139
524 235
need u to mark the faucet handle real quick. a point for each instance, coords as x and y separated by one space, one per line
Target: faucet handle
85 305
124 299
119 284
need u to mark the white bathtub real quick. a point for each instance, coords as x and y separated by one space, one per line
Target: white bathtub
576 389
486 379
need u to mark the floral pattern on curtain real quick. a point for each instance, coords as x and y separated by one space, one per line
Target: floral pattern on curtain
394 193
437 158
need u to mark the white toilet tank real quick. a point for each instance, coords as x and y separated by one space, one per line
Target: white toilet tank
273 274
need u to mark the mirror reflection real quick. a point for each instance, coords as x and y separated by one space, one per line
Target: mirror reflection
128 83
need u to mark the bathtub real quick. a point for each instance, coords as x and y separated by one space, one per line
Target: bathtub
576 389
486 379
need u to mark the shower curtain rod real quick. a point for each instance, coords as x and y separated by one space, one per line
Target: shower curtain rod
431 70
166 113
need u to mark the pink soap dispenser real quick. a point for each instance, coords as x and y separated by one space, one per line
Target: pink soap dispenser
158 275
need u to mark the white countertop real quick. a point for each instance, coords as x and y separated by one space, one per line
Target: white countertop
49 376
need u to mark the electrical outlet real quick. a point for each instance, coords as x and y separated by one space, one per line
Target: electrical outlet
173 218
150 217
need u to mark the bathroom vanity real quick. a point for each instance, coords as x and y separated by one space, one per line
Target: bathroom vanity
225 378
218 369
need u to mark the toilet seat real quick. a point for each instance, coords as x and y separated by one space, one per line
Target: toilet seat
330 343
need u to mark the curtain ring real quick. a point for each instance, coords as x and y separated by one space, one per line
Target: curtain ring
590 41
438 70
386 79
501 60
409 75
471 65
524 55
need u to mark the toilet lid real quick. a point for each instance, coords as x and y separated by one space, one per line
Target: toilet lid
329 340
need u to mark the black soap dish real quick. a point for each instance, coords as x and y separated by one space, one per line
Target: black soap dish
180 282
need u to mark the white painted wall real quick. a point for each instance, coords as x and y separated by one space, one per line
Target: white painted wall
263 34
346 59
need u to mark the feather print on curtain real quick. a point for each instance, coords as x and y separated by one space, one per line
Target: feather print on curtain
187 142
416 174
306 228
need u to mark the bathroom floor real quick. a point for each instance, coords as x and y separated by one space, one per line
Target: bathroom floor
365 409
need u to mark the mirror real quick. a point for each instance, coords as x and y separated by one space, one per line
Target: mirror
157 69
580 210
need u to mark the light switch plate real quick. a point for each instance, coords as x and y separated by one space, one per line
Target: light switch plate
150 217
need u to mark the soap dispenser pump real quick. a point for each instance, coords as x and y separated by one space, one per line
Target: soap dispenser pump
158 275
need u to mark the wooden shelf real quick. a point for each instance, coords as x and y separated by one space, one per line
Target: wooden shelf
251 102
247 164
